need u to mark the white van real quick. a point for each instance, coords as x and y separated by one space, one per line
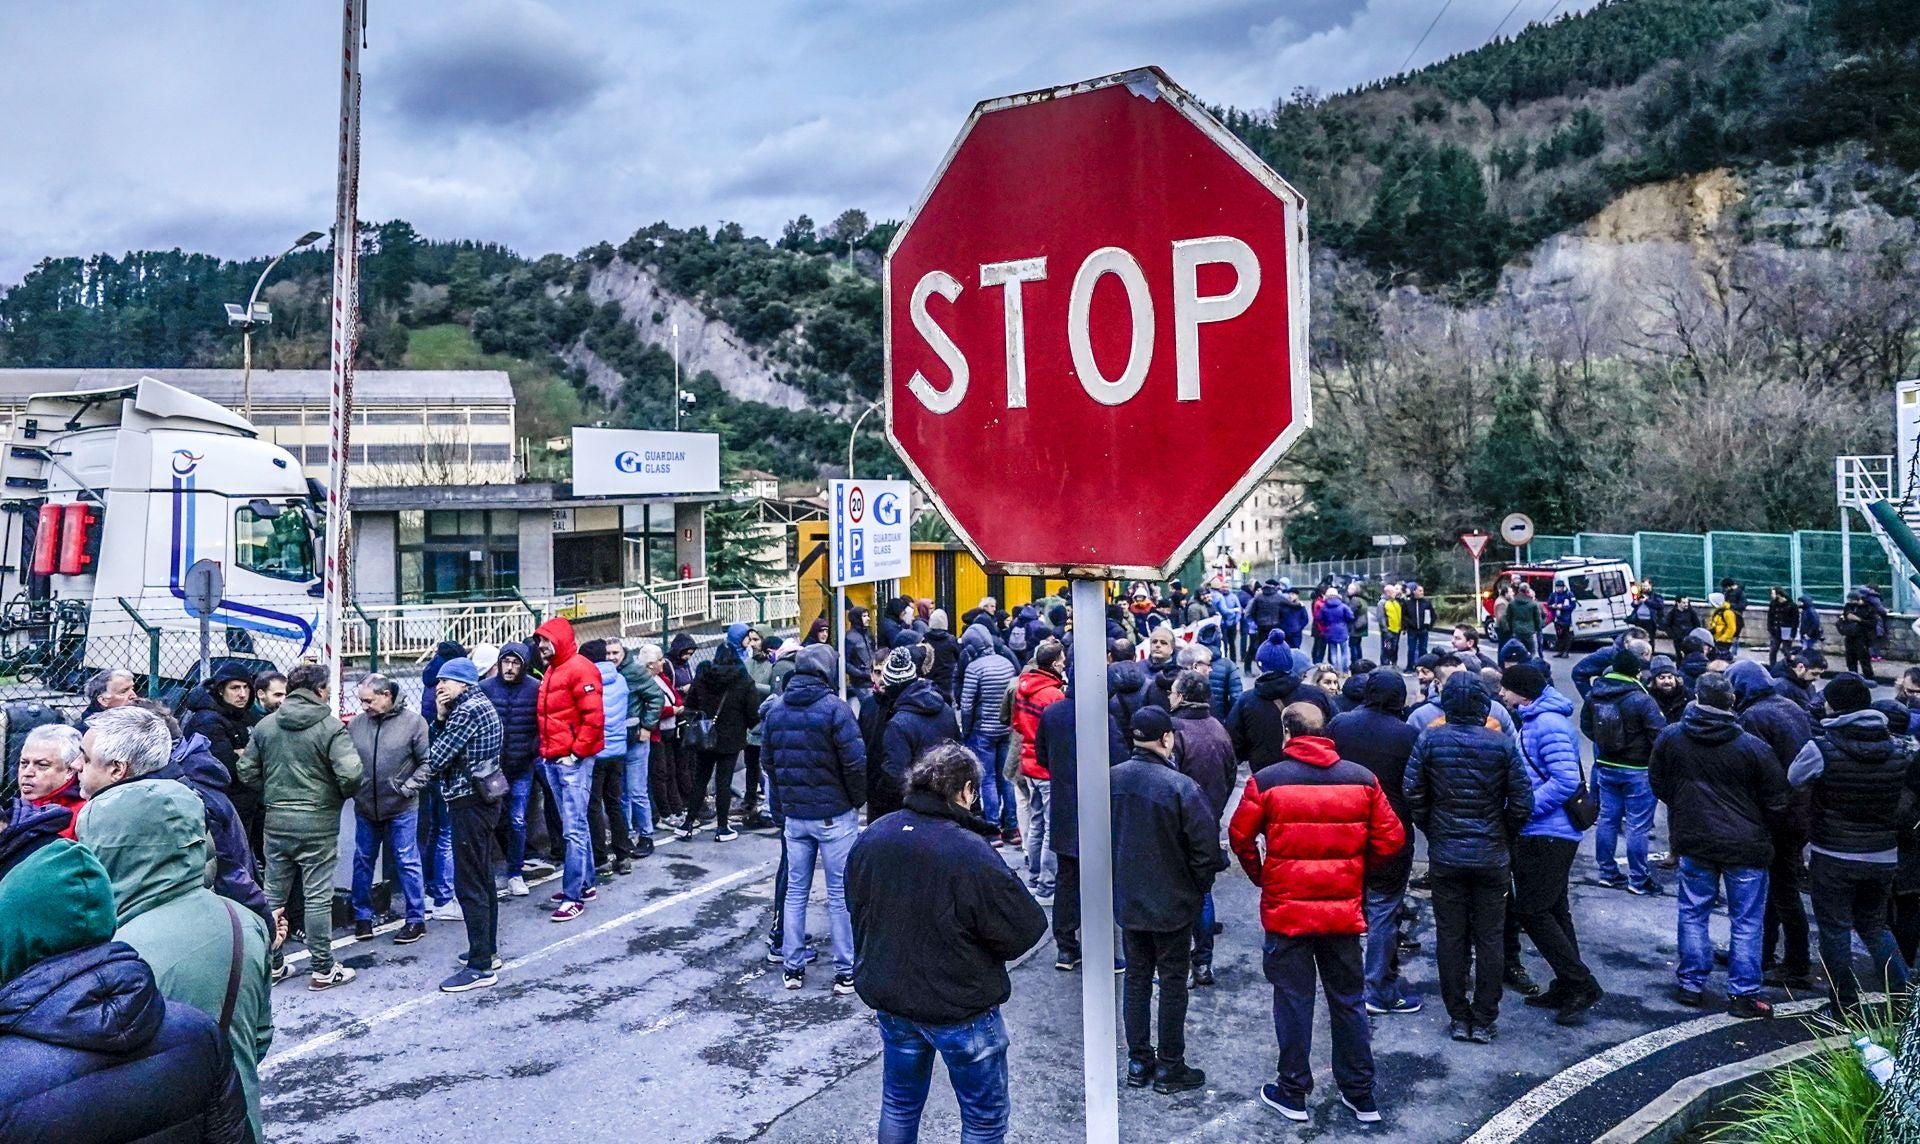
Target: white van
1602 592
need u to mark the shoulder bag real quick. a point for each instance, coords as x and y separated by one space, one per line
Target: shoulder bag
1581 810
702 733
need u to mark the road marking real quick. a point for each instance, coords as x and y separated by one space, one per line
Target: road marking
392 926
359 1026
1514 1121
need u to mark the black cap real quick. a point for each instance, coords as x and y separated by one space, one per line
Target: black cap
1524 680
1847 693
1150 723
1627 663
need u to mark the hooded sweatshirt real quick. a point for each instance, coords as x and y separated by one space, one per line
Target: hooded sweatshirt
1033 693
151 838
1723 788
226 728
982 685
572 716
302 760
517 704
1254 721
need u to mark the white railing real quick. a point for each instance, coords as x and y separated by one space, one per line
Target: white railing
412 630
773 607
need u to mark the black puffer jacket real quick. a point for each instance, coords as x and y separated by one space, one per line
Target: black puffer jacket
91 1053
1466 786
225 728
1254 721
946 663
1127 692
919 718
724 690
1376 736
1861 794
1723 788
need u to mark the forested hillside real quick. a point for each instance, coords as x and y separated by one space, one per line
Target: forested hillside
1568 272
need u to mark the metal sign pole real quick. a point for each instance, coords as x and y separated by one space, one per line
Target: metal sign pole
1098 1026
840 634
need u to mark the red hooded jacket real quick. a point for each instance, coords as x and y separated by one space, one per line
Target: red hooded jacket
1035 691
572 716
1322 819
70 797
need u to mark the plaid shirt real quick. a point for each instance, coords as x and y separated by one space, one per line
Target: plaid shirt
466 742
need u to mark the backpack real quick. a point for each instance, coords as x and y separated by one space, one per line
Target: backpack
1609 728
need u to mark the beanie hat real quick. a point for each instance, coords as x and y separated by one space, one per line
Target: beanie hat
899 669
773 644
1899 715
1847 693
593 651
1714 690
1524 680
1626 663
1662 665
461 669
54 901
1150 723
937 620
1274 655
484 657
1057 616
1701 637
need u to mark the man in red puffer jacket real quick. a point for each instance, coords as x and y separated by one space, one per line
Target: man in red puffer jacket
572 718
1322 820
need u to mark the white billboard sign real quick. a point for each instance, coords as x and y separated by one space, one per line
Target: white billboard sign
869 531
644 462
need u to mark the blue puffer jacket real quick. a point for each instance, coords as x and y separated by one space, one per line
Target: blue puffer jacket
1224 684
812 744
1466 786
613 692
517 704
1551 749
921 719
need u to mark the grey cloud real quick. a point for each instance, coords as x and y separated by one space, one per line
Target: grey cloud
500 66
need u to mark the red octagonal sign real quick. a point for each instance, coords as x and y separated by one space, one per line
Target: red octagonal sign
1096 327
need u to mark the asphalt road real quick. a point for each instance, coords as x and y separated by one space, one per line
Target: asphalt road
656 1013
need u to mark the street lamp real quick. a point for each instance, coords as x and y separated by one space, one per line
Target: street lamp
258 313
856 432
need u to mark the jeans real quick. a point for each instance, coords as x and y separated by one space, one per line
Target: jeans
436 844
1416 647
1786 917
398 833
518 791
1850 897
1699 885
1041 863
1202 929
1340 658
975 1053
473 821
996 793
1540 867
607 810
1354 652
306 862
1626 796
639 799
1169 956
1469 923
825 842
1291 964
1384 985
572 787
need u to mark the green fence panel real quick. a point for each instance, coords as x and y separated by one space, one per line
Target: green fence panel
1606 545
1675 562
1550 547
1757 560
1820 568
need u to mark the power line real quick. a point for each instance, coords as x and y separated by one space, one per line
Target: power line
1423 36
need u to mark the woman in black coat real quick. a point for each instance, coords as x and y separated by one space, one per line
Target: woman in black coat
723 691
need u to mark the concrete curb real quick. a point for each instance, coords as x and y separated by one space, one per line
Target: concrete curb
1683 1107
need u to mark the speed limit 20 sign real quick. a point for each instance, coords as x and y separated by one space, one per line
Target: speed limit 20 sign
1096 322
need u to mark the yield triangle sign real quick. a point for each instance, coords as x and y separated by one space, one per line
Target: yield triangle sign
1475 543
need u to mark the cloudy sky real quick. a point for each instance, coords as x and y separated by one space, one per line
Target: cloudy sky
553 125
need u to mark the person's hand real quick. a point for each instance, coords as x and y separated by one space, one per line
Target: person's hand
279 928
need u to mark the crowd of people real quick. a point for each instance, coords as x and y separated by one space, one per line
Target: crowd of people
938 801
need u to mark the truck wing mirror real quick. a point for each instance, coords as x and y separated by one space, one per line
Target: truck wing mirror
264 509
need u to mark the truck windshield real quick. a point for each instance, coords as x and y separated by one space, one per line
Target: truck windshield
278 546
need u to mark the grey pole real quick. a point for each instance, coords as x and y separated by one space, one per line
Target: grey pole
1097 1024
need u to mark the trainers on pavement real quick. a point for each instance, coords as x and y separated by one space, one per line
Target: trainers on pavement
1364 1109
591 894
568 911
468 978
1291 1107
362 929
842 984
1750 1006
726 834
794 978
1180 1077
338 975
282 972
1484 1034
410 933
517 887
1646 889
1067 962
1400 1005
623 865
449 912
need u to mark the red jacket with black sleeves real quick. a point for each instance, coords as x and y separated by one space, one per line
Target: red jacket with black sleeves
572 714
1322 819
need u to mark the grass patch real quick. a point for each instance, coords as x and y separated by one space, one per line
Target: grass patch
1827 1098
546 404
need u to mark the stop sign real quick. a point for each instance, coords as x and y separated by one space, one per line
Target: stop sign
1096 326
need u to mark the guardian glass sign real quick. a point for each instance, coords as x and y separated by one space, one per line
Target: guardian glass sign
642 462
869 531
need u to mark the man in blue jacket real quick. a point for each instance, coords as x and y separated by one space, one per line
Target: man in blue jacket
1623 721
1543 854
515 696
1376 735
819 762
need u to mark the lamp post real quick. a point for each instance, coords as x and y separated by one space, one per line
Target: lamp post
258 313
855 432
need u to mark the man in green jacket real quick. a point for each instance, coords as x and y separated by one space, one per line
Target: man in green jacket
1525 619
205 951
303 764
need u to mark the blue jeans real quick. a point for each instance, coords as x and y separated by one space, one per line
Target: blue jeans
436 844
1385 986
827 842
398 832
572 786
996 793
975 1053
1626 796
1203 931
517 791
1042 866
638 798
1699 884
1340 656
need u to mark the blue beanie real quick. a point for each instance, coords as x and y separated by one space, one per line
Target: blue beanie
460 670
1274 655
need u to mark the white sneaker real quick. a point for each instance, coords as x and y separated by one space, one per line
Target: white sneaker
450 912
339 975
517 886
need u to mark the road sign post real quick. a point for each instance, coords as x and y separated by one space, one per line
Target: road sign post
1475 543
1093 266
204 585
867 541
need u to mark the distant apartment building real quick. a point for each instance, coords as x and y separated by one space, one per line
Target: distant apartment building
1256 532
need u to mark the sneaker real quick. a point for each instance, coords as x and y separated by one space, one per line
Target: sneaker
1364 1109
683 833
539 867
794 978
623 866
1203 974
282 972
1401 1006
1613 882
1750 1006
449 912
517 887
557 897
603 872
1067 962
756 821
843 984
1691 998
362 929
725 834
1139 1074
1484 1034
1043 897
498 962
1012 837
568 911
1646 889
410 933
997 842
321 982
592 894
643 848
1520 981
1178 1078
1291 1107
468 978
1460 1030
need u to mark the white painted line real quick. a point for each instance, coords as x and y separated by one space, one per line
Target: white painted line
1516 1119
393 926
361 1025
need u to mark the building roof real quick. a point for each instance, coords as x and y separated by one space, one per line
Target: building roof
536 495
280 388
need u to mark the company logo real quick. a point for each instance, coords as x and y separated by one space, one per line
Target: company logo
627 462
184 461
886 509
856 505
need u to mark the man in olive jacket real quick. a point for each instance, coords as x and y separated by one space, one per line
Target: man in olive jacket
303 764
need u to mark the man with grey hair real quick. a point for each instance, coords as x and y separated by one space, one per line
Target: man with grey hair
107 690
49 770
303 764
392 742
121 744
